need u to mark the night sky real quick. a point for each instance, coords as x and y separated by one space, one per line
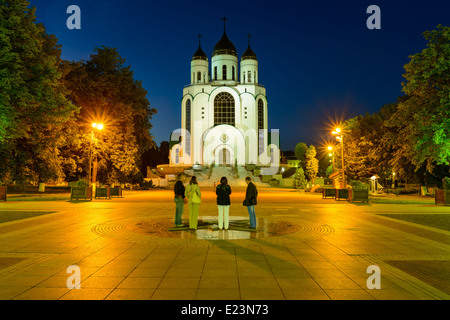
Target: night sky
317 59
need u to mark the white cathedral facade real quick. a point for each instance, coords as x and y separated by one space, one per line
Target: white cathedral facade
223 111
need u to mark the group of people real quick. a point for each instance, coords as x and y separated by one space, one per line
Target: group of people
192 194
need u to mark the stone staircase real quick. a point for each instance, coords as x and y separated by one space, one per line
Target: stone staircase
235 179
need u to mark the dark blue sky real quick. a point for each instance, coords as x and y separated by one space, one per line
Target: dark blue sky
317 59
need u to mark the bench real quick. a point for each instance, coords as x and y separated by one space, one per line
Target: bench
442 197
341 194
328 193
103 193
81 193
116 192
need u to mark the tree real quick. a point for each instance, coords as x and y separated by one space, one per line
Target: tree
300 153
107 93
329 171
299 179
312 164
33 104
422 119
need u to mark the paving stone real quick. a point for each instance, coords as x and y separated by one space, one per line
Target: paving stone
315 249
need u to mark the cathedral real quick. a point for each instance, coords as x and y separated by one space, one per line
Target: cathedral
223 111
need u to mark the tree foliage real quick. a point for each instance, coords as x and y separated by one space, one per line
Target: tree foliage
300 153
107 93
33 103
422 119
299 179
412 136
312 164
47 107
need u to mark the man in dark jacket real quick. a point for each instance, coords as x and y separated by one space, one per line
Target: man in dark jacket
179 201
250 201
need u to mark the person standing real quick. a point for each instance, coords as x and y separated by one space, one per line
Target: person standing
179 201
194 196
223 192
250 201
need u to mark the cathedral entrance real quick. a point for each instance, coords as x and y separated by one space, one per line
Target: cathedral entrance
225 158
224 145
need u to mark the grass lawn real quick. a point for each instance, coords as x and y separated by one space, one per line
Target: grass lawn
38 197
6 216
440 221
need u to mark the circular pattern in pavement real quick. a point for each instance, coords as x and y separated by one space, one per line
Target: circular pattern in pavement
160 230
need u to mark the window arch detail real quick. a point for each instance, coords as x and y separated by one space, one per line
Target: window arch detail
224 109
188 126
224 72
260 125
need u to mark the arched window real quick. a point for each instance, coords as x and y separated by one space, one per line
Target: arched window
260 114
224 72
188 126
249 76
260 125
224 112
232 73
215 73
199 77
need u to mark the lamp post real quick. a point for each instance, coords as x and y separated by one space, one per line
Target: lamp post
393 180
340 137
98 127
331 155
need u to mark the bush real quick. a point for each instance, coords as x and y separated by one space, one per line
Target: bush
405 191
446 183
299 179
289 172
146 185
356 184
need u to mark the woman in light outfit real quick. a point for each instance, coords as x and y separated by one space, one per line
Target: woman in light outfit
194 196
223 192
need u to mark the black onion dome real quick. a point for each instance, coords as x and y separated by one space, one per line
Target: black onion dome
224 46
199 54
249 54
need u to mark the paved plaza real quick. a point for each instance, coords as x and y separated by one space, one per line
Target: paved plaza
305 248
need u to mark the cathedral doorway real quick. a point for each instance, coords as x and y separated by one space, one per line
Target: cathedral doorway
225 158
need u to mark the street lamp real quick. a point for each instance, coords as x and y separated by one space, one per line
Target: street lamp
97 126
393 180
340 137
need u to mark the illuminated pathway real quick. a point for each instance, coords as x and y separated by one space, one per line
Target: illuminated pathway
305 248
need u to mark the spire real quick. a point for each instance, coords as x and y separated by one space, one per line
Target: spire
199 54
249 54
224 46
224 23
